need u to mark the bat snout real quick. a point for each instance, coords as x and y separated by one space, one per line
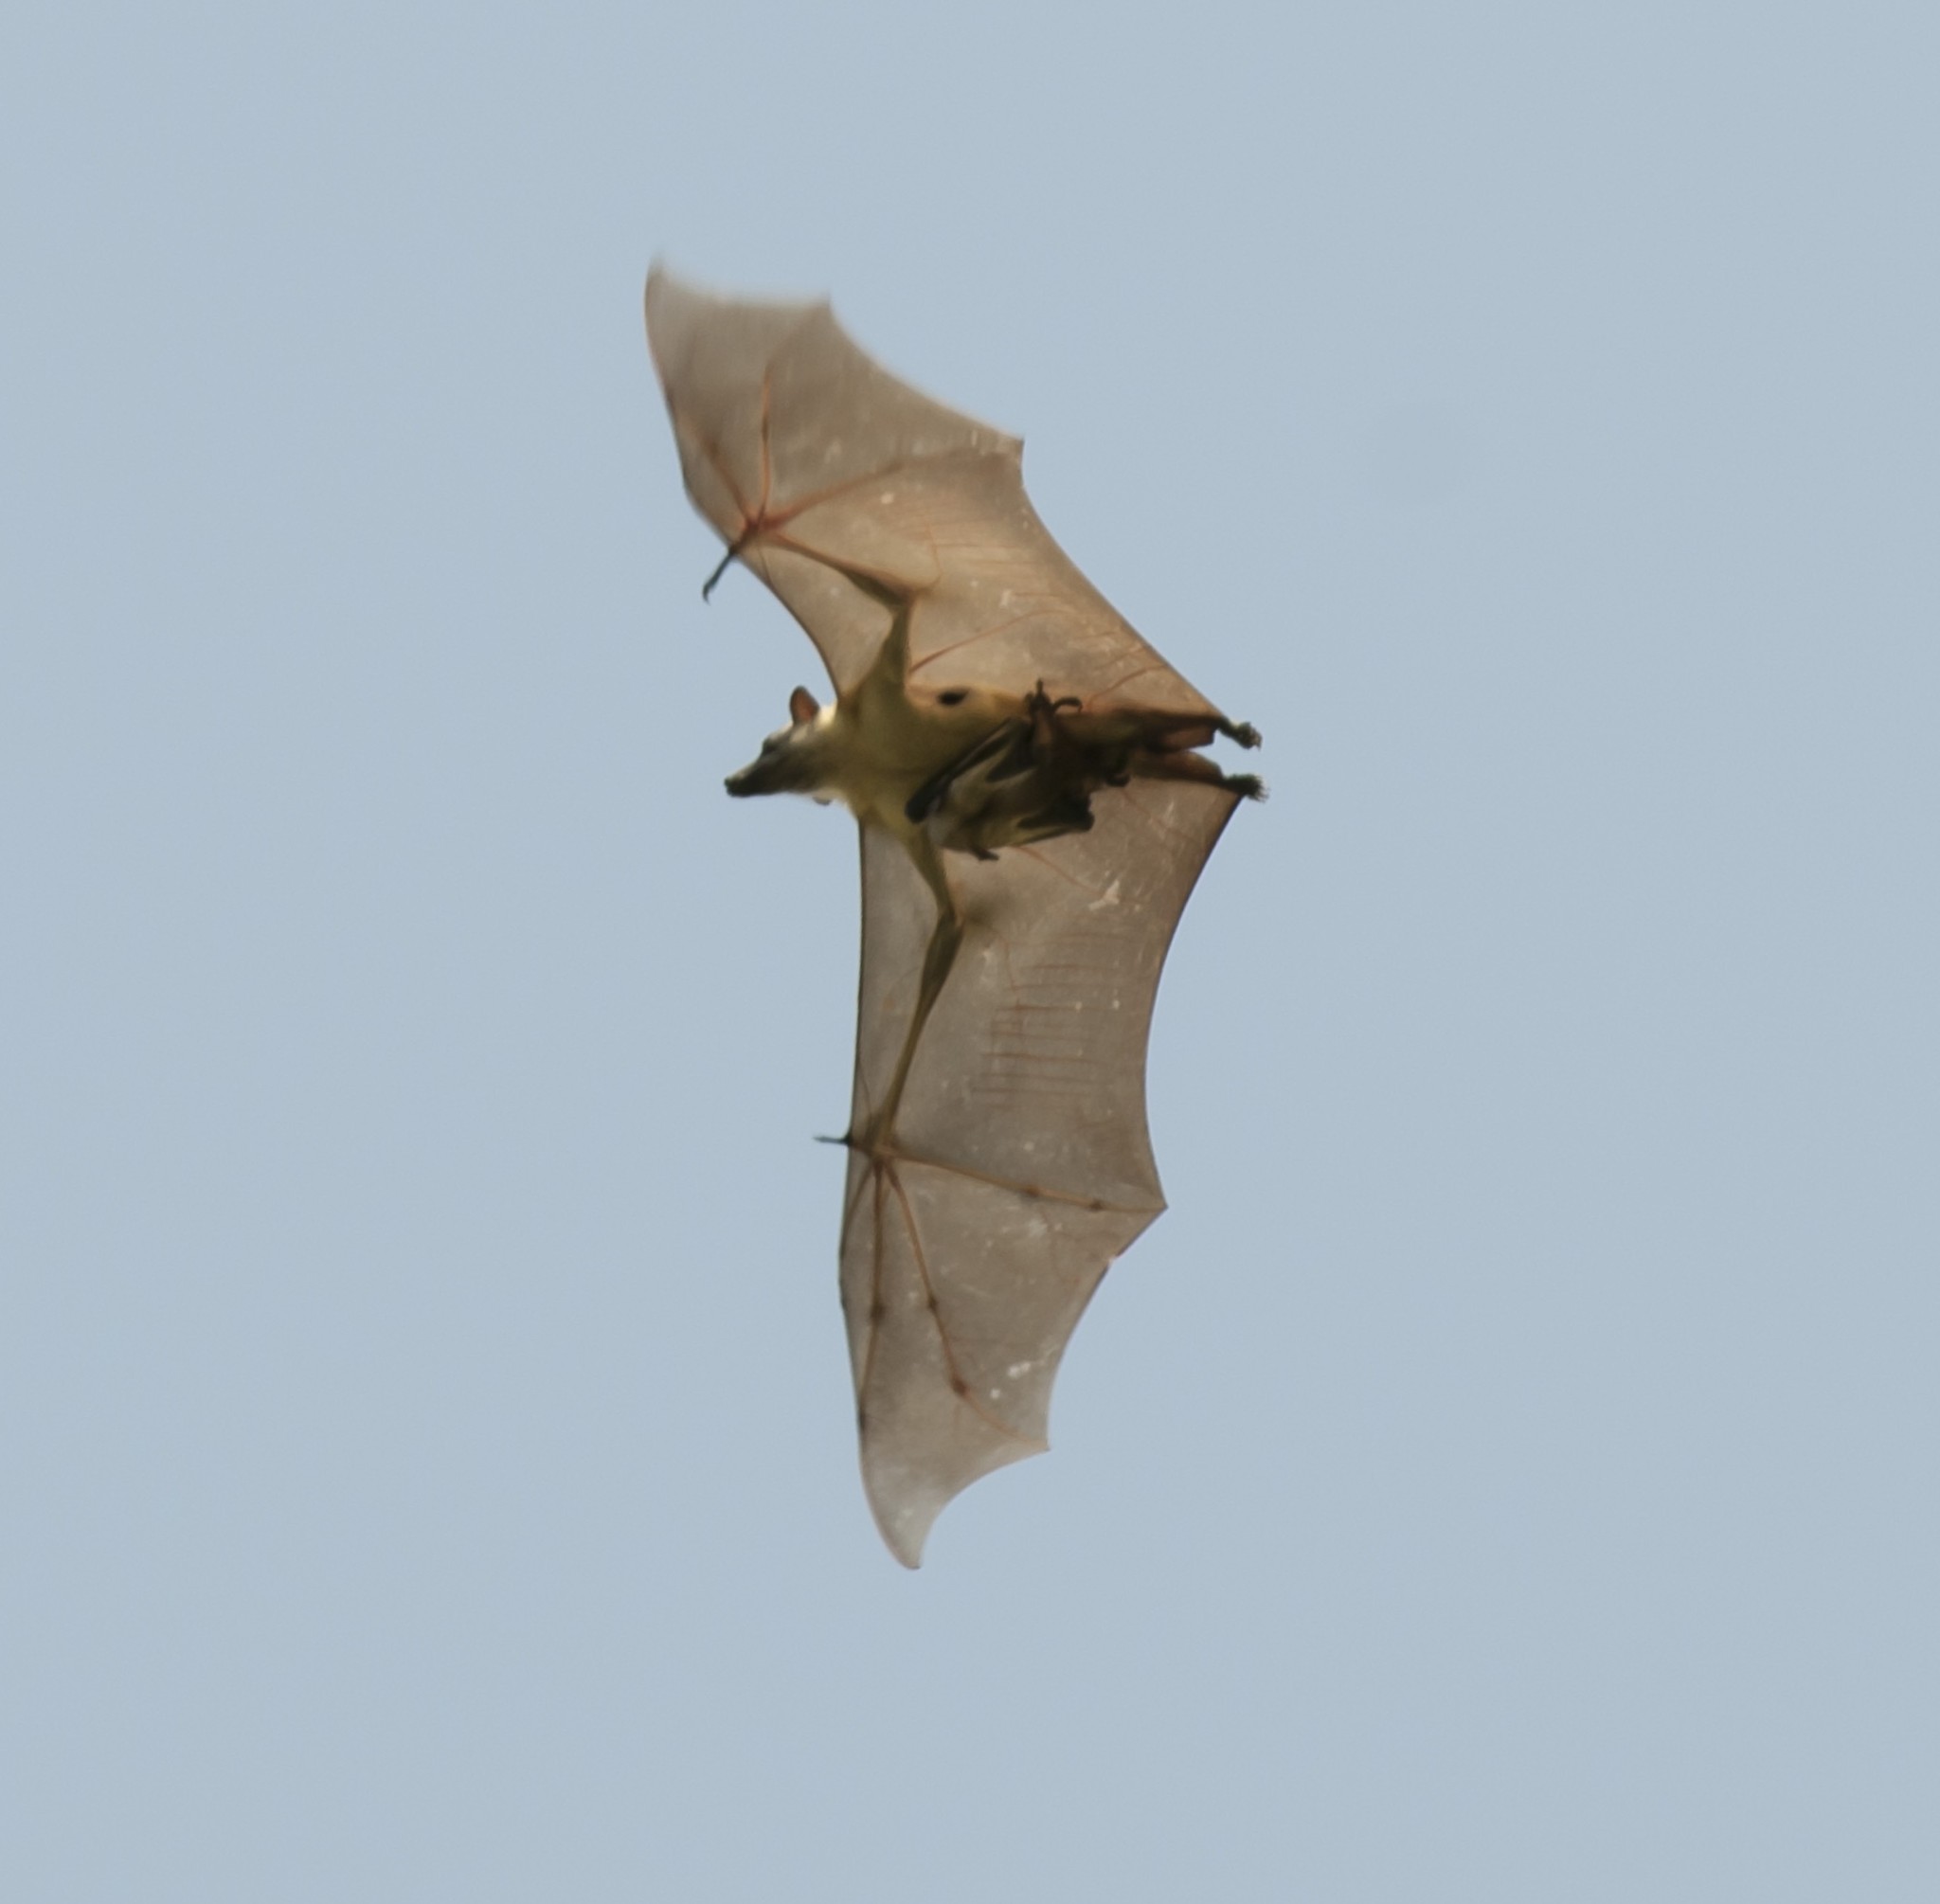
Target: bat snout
775 769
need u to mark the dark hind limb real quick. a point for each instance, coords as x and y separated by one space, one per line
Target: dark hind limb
1173 733
1142 741
1181 764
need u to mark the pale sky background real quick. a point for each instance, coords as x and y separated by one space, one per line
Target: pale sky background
1508 1473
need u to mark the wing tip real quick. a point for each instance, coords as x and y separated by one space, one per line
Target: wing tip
664 283
907 1546
906 1505
904 1528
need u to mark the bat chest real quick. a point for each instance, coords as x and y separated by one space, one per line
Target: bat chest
891 749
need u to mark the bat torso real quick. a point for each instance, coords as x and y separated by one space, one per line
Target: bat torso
969 769
879 745
886 743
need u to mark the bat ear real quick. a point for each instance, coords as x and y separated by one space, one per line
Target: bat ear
802 706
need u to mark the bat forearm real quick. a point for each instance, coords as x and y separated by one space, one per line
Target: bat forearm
939 956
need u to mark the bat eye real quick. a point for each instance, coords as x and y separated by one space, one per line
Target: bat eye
951 696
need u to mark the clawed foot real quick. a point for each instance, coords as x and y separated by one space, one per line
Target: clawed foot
1041 703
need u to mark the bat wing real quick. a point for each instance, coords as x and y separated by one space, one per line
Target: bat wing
1018 1164
1021 1164
825 474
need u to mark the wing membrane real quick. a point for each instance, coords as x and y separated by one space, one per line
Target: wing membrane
822 468
1022 1164
983 1208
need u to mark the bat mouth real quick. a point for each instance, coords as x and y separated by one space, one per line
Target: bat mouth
763 776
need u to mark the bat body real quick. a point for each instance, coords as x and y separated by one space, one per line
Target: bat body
1033 813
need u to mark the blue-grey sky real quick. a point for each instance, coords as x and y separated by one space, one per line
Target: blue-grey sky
1508 1473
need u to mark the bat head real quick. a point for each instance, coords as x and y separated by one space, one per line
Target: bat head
795 759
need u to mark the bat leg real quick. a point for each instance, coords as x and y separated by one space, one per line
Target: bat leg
1168 754
1172 734
1190 766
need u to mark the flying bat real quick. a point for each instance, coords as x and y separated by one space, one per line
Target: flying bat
1033 813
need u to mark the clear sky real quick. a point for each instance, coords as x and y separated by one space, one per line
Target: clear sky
1508 1473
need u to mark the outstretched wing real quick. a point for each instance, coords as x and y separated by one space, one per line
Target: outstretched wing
1021 1164
1018 1166
817 467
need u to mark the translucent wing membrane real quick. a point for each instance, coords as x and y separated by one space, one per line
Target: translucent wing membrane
1021 1162
819 467
985 1201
